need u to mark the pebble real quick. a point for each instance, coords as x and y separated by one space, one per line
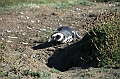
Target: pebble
61 25
110 4
2 39
29 27
18 27
24 55
51 49
27 17
21 16
0 18
8 31
21 13
38 20
12 37
32 21
8 41
23 33
41 29
24 43
44 29
77 8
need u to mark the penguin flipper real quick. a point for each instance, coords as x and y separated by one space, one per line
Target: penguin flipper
75 34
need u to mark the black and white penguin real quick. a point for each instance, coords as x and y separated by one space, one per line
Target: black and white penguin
64 34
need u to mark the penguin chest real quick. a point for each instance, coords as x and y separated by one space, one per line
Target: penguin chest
68 39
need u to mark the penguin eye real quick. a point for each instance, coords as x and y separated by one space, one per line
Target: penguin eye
64 37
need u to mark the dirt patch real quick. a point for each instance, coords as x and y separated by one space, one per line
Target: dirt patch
25 32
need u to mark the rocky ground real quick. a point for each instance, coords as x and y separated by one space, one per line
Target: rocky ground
23 36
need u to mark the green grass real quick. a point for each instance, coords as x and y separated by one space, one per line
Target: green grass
40 74
117 73
9 72
15 4
2 45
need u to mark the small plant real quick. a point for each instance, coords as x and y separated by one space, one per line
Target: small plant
117 73
103 70
3 73
3 45
9 72
40 74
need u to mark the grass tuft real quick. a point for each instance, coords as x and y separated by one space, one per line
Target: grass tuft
40 74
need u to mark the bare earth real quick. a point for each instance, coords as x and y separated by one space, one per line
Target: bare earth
25 32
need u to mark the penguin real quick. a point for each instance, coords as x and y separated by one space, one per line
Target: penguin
64 34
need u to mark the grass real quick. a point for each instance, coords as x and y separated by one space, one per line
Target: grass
41 74
9 72
16 4
99 73
2 45
117 73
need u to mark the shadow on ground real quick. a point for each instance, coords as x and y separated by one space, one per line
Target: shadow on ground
75 55
45 45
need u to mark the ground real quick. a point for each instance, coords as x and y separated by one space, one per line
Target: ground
23 36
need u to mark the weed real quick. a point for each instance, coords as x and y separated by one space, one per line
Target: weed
40 74
103 70
9 72
3 45
117 73
3 73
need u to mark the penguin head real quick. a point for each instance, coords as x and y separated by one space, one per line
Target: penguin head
58 37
